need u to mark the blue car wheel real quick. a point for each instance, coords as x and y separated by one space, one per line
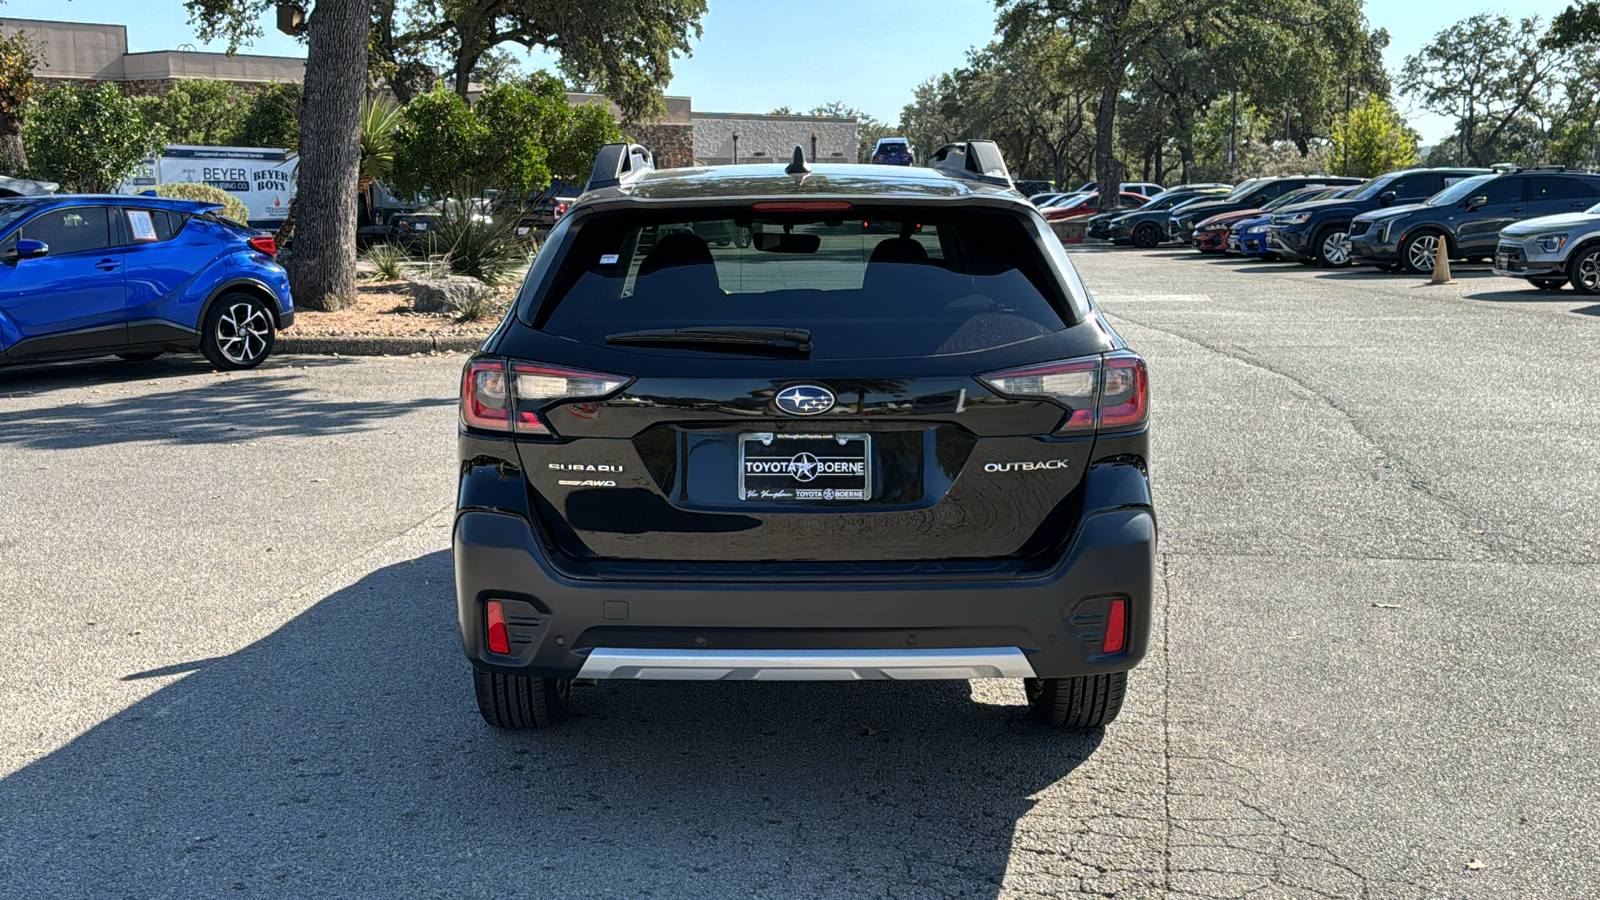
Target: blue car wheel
239 332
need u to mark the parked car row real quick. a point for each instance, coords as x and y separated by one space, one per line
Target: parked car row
1542 224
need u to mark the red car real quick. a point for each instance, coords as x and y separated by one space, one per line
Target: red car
1211 235
1090 205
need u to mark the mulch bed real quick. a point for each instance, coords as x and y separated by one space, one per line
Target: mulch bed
383 309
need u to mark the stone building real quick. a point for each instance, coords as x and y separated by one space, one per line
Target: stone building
671 139
80 51
724 138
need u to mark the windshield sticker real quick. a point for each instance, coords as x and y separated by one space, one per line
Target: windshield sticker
608 259
143 228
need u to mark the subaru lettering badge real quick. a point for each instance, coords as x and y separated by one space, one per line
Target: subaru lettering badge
805 400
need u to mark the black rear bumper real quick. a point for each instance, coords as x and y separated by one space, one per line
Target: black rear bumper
1057 619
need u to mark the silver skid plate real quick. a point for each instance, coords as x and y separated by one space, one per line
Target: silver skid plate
806 665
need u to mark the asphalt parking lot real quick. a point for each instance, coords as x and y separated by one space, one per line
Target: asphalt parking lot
229 663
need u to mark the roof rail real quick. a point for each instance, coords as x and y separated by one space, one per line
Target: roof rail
1504 168
972 161
618 164
1548 168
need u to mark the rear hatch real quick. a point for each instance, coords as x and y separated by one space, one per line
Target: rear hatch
800 385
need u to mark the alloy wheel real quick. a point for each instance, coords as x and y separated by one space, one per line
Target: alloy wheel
1336 249
1588 274
1422 252
242 332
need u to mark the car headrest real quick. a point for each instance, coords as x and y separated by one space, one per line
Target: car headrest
680 263
676 249
898 250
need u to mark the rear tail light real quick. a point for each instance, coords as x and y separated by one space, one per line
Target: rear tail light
498 395
485 402
495 614
264 243
1116 627
1124 393
1100 393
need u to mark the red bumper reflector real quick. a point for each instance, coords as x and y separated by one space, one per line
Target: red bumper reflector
1116 627
498 642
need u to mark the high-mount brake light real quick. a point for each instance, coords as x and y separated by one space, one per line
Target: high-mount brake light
1104 393
493 401
264 243
802 206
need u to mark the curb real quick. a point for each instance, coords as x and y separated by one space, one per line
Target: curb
336 345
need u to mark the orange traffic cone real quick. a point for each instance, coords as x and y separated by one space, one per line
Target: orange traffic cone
1441 263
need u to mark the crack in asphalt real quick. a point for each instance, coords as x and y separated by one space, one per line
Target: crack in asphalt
1474 527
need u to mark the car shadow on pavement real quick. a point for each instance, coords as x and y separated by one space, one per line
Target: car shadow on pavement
1582 304
35 378
342 755
219 409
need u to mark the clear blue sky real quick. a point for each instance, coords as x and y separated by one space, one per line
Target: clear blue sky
755 56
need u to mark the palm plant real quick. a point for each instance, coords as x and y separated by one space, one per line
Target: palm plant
380 116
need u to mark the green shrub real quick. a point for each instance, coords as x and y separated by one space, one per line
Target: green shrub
232 206
86 137
473 305
387 260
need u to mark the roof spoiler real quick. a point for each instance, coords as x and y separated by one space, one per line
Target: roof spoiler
619 164
972 161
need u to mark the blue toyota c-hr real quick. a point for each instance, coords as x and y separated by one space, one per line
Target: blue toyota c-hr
136 276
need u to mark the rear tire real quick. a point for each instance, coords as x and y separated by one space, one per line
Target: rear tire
238 333
1147 235
1585 270
1085 701
144 356
521 701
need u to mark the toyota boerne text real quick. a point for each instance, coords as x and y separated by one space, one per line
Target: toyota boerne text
887 436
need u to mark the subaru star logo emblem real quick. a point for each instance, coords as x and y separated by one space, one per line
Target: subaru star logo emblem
805 400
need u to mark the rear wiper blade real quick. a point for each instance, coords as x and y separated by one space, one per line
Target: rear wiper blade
797 340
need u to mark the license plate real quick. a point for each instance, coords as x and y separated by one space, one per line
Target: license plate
805 468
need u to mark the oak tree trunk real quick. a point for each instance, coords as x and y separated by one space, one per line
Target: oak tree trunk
323 266
1107 173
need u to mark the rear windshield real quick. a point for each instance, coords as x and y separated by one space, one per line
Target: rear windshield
938 283
892 148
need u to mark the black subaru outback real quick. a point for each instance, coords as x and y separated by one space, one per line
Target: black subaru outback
887 437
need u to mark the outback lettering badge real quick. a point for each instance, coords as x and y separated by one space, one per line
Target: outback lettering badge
1033 466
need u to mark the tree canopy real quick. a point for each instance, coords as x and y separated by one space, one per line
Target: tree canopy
515 139
87 137
622 48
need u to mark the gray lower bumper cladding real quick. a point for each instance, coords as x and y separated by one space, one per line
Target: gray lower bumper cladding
806 665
